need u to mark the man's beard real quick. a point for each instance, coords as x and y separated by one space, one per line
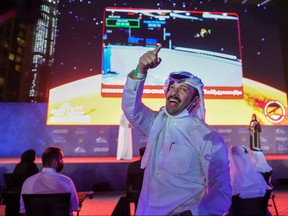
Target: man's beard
60 167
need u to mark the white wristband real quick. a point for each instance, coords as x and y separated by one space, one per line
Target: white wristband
139 75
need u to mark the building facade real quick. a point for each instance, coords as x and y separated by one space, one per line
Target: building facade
27 54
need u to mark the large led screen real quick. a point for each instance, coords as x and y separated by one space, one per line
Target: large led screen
234 50
191 41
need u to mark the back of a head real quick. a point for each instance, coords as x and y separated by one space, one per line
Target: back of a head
49 155
259 161
28 156
245 180
239 158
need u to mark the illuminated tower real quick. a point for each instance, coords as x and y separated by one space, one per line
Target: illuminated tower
36 82
12 57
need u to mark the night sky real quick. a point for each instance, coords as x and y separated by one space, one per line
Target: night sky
79 37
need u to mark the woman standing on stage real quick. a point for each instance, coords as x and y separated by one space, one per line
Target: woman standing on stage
255 130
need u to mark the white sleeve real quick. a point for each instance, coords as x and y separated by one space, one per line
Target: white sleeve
74 197
215 164
139 115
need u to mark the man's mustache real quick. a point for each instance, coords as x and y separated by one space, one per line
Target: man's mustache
175 98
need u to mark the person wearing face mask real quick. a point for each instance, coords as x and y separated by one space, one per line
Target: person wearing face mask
186 161
254 131
50 180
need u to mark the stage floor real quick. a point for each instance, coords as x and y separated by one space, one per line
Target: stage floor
75 160
110 159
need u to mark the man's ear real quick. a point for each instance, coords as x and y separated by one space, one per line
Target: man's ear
195 101
54 164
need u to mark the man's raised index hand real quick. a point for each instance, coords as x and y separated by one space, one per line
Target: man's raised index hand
149 60
157 49
155 52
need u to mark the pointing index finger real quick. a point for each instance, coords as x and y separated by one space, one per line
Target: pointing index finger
157 49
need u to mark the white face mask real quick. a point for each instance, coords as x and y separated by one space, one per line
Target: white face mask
194 102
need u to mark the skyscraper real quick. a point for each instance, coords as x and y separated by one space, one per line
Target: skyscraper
13 46
37 81
26 50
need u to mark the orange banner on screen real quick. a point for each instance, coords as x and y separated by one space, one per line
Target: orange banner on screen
157 92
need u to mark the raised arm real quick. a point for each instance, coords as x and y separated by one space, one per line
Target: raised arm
147 61
139 115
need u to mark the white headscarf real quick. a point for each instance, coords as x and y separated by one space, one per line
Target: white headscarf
259 161
186 77
245 180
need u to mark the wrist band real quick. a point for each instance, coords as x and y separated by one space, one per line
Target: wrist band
139 75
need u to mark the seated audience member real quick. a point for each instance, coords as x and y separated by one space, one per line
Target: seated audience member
134 181
248 185
24 169
134 178
49 180
261 165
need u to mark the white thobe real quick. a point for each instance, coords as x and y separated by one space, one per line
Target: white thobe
50 181
124 145
186 161
246 181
